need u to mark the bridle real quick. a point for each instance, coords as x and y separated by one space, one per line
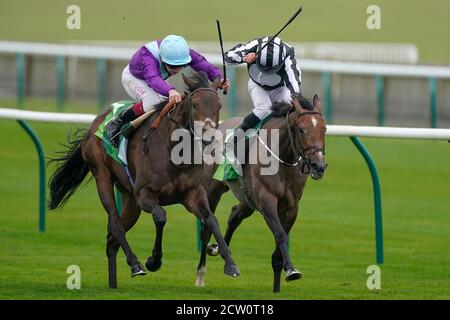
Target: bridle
305 153
304 156
190 125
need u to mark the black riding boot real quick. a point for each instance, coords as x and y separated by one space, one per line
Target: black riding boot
113 127
249 122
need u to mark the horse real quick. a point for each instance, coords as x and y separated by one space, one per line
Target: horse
157 180
277 196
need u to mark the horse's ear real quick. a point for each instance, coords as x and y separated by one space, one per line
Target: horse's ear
317 104
296 103
215 84
187 81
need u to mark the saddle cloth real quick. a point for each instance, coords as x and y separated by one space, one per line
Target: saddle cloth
230 168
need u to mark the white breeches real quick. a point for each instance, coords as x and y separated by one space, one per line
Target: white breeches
139 90
263 99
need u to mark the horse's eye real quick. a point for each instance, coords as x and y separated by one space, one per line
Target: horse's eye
300 130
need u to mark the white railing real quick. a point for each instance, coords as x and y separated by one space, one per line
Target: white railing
120 53
332 130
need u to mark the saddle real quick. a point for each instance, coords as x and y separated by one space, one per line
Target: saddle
230 168
119 153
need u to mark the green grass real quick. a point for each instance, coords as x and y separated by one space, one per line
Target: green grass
418 22
332 242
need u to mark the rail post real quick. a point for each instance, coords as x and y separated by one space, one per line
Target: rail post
379 88
20 69
377 198
41 157
326 84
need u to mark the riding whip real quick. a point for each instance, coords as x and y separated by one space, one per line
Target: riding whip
276 34
223 58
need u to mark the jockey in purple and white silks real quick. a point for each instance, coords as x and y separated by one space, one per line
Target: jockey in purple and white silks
274 75
144 78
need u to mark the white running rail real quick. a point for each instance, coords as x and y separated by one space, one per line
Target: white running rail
332 130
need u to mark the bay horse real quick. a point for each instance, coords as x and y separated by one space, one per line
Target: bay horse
157 180
301 154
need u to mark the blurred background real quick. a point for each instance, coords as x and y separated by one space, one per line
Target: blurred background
82 73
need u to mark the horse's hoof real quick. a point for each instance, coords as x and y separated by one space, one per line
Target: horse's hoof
293 274
199 283
231 270
138 270
212 250
152 264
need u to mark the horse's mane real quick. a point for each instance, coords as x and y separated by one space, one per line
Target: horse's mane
280 109
195 80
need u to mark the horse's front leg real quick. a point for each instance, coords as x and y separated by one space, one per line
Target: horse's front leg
147 201
269 207
196 201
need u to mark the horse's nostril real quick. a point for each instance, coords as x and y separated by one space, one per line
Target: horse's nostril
318 168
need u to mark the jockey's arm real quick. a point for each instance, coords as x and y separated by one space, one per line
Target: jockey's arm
153 78
242 53
199 63
293 73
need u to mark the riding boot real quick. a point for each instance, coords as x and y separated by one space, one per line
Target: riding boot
249 122
113 128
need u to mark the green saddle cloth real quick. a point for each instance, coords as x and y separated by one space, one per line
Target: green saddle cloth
225 170
116 110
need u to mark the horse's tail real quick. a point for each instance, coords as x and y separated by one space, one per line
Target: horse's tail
70 171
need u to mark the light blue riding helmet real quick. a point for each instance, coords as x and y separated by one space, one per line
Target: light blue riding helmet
174 50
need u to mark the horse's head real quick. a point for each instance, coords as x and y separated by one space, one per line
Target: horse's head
204 103
309 135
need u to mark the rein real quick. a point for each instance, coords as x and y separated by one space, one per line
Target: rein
167 110
303 154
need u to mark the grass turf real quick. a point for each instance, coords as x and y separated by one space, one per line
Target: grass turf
332 242
402 21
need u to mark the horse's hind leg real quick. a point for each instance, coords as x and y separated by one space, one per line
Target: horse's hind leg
215 191
129 216
115 227
239 212
205 235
